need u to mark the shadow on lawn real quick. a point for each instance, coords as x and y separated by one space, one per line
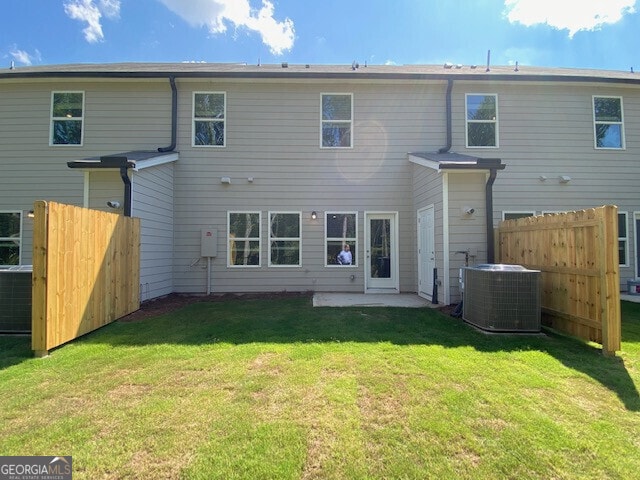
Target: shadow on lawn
14 349
296 321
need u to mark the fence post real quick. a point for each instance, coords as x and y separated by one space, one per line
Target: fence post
610 288
39 280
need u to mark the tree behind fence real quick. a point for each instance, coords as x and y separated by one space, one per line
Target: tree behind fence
86 272
577 253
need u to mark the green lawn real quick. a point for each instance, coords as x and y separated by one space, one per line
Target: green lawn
275 389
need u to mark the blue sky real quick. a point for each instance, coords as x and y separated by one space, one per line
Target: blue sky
601 34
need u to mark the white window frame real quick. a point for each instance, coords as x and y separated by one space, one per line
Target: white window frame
600 122
467 121
237 239
348 122
18 239
351 240
66 119
286 239
524 213
624 239
208 119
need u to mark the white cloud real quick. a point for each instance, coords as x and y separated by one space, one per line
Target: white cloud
568 14
24 57
215 14
111 8
91 12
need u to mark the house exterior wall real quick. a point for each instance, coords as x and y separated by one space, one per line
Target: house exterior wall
118 116
152 202
548 130
104 186
31 170
273 136
428 190
467 232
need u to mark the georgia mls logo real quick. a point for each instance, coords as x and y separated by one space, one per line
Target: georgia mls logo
35 468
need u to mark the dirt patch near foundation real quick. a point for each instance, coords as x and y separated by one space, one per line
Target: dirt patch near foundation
175 301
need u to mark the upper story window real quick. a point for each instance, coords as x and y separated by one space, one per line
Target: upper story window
337 120
67 117
10 238
243 239
482 120
284 239
209 117
608 122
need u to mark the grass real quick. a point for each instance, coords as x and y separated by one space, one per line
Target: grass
266 389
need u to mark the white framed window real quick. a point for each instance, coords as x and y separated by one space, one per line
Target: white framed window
336 120
209 119
67 118
243 239
514 215
285 239
10 237
340 230
482 120
608 123
623 239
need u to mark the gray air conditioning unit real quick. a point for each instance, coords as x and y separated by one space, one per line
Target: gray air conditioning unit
502 298
15 299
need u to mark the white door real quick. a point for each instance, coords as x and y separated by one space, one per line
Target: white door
426 252
381 255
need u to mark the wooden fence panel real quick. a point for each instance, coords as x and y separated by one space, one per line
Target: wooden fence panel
86 272
577 253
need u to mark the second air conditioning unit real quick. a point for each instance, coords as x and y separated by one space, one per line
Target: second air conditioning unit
502 298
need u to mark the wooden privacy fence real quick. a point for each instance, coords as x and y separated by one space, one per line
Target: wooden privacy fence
577 253
86 272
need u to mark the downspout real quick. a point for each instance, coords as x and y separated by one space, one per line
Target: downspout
447 147
174 117
124 174
489 209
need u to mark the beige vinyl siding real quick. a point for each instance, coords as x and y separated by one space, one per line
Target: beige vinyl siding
152 202
105 186
273 136
31 170
428 190
118 116
466 232
547 129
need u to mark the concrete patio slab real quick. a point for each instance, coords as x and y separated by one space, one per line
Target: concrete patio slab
406 300
630 298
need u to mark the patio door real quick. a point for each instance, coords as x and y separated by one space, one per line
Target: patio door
426 252
381 254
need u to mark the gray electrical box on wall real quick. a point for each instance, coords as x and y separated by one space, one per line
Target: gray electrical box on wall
209 243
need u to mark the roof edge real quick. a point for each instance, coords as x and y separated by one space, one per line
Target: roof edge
286 74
